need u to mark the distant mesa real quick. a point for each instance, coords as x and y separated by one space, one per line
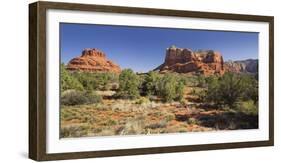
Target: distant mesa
92 60
180 60
206 62
243 66
183 60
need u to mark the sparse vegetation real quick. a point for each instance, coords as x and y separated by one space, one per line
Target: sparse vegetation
231 88
96 81
105 104
68 81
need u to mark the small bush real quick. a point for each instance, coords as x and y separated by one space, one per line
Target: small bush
251 89
248 107
133 127
73 98
92 97
155 125
192 121
179 91
79 98
201 81
142 100
74 131
170 117
111 122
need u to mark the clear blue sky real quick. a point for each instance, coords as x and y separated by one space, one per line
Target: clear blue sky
143 48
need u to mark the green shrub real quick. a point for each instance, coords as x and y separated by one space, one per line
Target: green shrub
79 98
142 100
96 81
68 81
133 127
170 117
251 89
74 131
166 88
170 88
213 92
107 80
248 107
156 125
92 97
149 83
192 121
111 122
179 91
128 85
231 88
201 81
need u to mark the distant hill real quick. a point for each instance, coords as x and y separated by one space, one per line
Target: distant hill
242 66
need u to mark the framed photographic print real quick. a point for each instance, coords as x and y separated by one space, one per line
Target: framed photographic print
112 81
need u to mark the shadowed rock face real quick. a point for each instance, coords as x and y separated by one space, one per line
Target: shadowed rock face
184 60
244 66
92 60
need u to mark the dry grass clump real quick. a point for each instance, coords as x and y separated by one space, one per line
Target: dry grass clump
75 130
155 125
134 105
192 121
132 127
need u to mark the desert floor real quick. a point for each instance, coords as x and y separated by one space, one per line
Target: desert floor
144 116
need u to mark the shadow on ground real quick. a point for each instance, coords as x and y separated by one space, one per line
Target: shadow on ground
229 120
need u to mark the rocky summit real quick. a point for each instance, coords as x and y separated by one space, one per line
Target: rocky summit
183 60
92 60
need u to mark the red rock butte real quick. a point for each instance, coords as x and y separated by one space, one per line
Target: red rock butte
92 60
183 60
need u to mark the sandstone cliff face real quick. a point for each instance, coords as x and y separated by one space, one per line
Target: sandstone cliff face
243 66
184 60
92 60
